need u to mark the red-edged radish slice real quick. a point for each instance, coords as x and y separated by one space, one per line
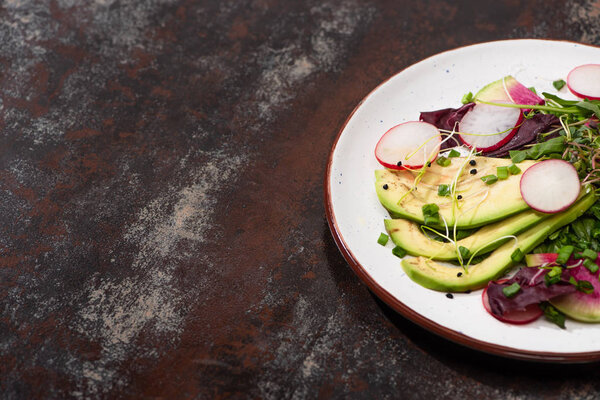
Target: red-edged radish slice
550 186
488 127
584 81
408 145
529 314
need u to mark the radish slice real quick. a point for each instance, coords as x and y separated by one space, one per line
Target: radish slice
550 186
408 145
530 314
584 81
488 127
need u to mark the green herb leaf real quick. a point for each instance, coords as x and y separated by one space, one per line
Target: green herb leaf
589 106
444 190
513 169
489 179
517 155
517 255
502 172
512 290
464 252
532 89
453 153
467 98
562 102
443 161
559 84
398 251
564 253
552 314
383 239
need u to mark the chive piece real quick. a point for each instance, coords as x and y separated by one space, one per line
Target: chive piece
552 314
517 255
555 271
444 190
591 254
564 253
592 266
559 84
489 179
512 290
585 287
553 276
467 98
513 169
398 251
383 239
502 172
577 256
430 214
464 252
453 153
443 161
517 155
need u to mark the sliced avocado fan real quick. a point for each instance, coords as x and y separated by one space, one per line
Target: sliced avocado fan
480 203
408 235
442 277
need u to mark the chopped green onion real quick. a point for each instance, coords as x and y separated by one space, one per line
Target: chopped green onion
383 239
577 256
512 290
553 276
559 84
444 190
398 251
489 179
453 153
443 162
552 314
585 287
513 169
564 253
555 271
502 172
592 266
430 214
467 98
591 254
517 255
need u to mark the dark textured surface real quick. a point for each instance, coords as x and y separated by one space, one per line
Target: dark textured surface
163 230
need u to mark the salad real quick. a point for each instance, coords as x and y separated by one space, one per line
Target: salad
511 177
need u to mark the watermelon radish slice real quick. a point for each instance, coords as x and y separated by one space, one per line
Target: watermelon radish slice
578 305
508 90
486 127
536 260
584 81
408 145
529 314
550 186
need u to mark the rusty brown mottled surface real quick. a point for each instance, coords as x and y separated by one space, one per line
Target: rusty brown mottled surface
163 231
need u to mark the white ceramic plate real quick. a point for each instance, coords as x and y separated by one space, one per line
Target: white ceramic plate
356 216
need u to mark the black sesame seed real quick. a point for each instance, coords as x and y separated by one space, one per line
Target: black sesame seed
399 163
459 274
429 164
385 187
449 295
459 197
472 162
473 171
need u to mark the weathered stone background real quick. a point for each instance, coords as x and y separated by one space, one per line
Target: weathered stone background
162 224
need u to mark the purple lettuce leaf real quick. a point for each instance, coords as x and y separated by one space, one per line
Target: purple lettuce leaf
446 119
533 290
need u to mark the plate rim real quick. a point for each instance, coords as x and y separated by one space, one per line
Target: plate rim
399 306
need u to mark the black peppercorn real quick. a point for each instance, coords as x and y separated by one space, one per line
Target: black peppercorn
385 187
472 162
473 171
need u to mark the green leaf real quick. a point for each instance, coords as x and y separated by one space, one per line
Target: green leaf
562 102
589 106
552 314
559 84
464 252
517 155
467 98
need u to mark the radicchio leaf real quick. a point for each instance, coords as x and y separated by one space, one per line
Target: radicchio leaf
446 119
533 290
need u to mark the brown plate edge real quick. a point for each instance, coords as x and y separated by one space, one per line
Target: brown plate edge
398 306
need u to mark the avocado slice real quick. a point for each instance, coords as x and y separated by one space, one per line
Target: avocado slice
433 275
480 204
408 235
